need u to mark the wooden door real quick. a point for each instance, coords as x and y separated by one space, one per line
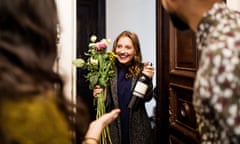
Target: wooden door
177 61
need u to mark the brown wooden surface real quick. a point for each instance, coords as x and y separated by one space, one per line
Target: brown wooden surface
177 61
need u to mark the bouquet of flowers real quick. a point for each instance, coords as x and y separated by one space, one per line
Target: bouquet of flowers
99 65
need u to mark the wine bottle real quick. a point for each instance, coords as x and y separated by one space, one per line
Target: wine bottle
139 91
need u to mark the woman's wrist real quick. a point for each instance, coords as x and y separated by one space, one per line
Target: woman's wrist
90 140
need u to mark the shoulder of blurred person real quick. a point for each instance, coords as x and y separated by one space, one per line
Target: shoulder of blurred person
36 120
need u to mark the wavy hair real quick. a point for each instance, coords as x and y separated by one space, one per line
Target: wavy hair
135 67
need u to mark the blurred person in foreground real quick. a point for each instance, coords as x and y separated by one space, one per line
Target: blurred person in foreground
33 108
216 96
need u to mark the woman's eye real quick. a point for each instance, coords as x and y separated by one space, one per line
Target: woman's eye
119 46
128 47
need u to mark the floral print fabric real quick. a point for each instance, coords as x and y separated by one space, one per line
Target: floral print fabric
217 87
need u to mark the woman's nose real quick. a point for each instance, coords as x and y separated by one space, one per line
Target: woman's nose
122 51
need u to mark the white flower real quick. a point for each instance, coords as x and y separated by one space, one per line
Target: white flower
93 38
108 41
92 45
93 61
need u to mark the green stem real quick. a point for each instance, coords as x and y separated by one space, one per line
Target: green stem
105 136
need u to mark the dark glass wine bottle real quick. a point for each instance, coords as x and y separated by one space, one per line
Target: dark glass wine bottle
139 91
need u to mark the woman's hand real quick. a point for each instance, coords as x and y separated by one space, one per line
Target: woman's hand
148 70
97 90
96 127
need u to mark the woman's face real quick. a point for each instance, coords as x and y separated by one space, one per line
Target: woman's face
125 50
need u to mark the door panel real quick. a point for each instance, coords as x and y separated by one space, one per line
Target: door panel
183 66
175 82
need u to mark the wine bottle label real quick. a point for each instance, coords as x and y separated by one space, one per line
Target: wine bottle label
140 89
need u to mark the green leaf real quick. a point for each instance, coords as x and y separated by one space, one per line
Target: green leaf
93 79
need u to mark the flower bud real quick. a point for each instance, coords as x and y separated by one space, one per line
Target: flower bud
93 38
79 62
93 61
101 45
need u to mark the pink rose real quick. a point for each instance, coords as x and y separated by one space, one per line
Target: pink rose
101 45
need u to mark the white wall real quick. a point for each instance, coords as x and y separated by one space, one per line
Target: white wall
137 16
67 47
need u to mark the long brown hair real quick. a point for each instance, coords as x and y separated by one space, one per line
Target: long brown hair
134 68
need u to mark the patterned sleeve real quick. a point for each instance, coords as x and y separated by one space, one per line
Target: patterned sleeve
219 84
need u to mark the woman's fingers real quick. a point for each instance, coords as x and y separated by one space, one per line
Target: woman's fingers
97 90
109 117
148 70
96 127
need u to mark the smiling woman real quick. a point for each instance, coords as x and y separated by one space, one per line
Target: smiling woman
140 17
133 125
